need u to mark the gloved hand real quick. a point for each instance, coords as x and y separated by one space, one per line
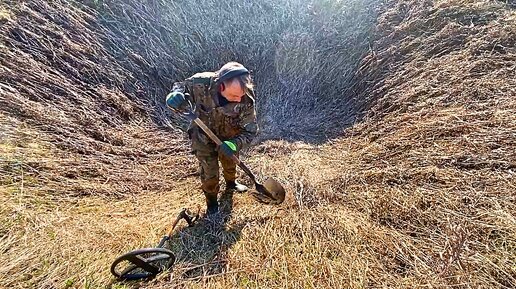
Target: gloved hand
175 100
228 147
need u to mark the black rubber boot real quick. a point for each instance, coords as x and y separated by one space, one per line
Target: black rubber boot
212 206
234 186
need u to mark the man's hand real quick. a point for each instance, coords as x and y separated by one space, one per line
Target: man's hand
228 147
176 100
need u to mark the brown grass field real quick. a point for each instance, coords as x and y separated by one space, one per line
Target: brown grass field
392 125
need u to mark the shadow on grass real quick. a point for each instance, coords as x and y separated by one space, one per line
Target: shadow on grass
201 249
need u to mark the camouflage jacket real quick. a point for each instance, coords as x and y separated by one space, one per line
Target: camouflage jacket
232 121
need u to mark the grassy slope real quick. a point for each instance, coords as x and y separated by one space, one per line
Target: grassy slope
419 194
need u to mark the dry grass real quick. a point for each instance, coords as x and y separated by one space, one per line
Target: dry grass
420 193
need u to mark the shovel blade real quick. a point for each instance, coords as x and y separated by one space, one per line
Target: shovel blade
270 192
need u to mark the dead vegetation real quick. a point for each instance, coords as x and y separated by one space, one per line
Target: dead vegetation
419 193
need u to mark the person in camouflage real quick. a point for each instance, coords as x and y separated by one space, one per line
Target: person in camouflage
224 101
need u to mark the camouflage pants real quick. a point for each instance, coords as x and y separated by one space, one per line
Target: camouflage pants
209 158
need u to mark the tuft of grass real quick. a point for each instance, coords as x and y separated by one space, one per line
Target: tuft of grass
5 14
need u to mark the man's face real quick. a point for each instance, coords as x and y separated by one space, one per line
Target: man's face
233 91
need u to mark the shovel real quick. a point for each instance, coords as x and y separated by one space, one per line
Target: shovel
270 192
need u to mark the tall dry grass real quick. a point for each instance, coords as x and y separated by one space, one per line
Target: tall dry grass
418 194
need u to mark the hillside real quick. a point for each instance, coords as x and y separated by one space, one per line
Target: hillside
392 125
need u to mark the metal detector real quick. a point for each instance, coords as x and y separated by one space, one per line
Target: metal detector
149 262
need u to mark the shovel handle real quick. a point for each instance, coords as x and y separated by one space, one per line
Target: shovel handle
246 170
217 140
261 189
208 131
